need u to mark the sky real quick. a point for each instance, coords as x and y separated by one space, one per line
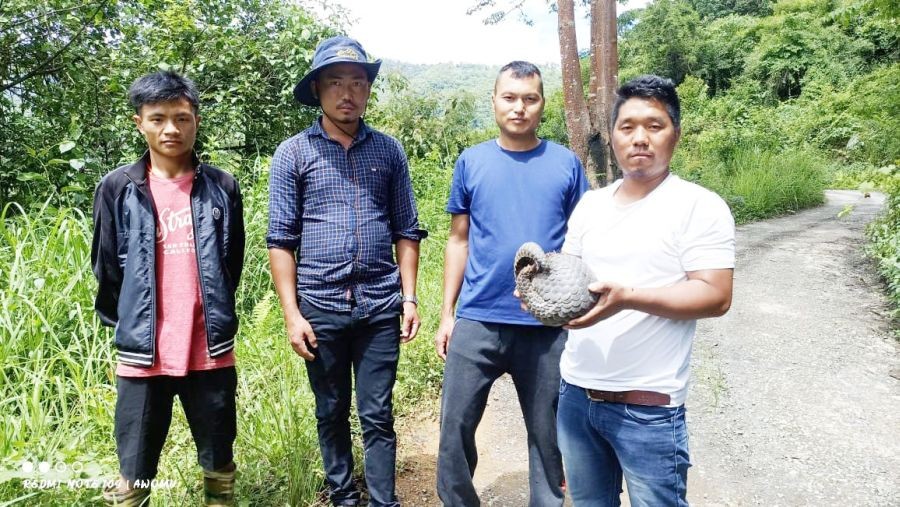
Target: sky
439 31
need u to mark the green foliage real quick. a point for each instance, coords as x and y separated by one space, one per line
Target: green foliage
856 121
663 42
57 383
788 49
66 68
884 243
553 123
711 9
427 124
736 149
722 53
864 177
818 7
55 379
444 81
758 183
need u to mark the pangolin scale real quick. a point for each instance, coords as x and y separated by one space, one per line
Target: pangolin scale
554 286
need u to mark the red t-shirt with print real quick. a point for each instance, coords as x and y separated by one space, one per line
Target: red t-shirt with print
180 326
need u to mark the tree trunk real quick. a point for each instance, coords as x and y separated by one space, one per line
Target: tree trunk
603 83
578 121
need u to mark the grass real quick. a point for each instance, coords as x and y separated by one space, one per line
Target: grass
57 363
758 184
57 390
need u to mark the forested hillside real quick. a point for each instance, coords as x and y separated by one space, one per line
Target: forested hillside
780 100
451 80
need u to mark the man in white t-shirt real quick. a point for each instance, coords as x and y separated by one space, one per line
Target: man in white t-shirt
663 250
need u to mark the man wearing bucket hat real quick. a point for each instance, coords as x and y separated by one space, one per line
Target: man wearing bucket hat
340 196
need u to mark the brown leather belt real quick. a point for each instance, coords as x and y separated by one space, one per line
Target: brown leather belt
648 398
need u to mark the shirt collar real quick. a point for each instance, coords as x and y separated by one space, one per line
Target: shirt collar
317 130
138 171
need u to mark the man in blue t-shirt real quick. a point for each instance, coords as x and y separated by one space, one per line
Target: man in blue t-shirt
505 192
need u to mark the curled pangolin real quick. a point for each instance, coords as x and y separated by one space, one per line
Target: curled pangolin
554 286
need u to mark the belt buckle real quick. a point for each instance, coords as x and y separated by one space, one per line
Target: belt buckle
587 393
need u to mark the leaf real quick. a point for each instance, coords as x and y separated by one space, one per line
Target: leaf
76 163
29 176
57 161
66 146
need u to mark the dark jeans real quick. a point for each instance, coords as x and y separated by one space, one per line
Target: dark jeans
144 412
371 347
479 353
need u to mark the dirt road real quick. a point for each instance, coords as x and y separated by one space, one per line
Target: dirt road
795 398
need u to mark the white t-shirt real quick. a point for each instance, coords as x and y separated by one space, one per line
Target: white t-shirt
678 227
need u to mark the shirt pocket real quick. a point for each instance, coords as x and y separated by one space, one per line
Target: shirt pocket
377 176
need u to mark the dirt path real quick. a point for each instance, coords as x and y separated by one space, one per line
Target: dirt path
795 397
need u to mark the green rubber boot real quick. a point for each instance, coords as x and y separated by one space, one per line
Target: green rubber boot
135 497
218 488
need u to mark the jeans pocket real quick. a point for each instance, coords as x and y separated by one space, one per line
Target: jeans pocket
650 415
563 386
309 312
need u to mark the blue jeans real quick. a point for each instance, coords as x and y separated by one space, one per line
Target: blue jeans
600 442
479 353
370 349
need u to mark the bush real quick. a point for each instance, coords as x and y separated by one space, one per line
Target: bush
856 122
863 177
759 184
884 243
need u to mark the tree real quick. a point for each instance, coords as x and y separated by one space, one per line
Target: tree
665 41
65 67
712 9
586 116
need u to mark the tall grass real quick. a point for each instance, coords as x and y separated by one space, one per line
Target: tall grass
758 183
57 390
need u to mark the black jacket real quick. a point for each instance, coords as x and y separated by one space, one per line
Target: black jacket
123 256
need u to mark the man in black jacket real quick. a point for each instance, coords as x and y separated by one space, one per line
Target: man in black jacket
167 252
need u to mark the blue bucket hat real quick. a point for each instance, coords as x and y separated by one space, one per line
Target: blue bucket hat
339 49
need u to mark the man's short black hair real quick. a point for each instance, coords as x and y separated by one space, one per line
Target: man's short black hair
649 86
163 86
520 70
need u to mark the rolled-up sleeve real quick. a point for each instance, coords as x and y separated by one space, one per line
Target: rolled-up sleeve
285 193
403 214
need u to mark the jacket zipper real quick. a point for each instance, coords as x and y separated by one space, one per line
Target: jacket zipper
203 302
149 197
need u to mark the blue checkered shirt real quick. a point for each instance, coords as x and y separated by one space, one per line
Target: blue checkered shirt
340 211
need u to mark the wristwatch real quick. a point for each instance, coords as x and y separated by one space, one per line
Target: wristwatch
409 299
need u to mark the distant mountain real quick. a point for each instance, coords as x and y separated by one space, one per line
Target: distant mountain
448 79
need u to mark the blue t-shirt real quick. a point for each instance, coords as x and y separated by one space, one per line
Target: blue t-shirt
511 197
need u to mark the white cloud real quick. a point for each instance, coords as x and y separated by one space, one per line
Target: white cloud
432 31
